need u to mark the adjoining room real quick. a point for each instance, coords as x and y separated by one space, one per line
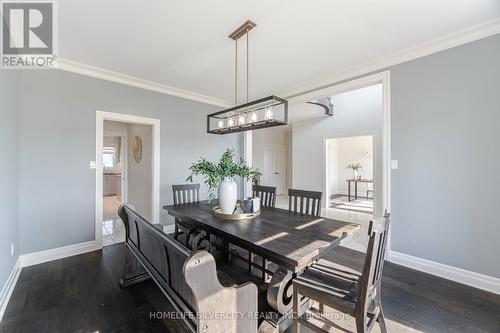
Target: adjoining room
350 169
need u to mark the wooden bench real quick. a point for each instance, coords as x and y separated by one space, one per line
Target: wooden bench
188 280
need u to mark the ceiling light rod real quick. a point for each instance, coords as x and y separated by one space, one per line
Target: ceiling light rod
265 112
237 34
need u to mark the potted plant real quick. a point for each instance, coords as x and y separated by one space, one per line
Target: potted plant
356 168
222 175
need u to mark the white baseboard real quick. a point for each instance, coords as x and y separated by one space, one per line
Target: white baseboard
168 229
9 286
57 253
459 275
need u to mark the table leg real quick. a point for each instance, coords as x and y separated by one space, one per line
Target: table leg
349 191
280 297
355 190
279 293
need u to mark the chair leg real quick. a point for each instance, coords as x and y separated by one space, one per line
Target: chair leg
361 319
381 317
176 232
295 313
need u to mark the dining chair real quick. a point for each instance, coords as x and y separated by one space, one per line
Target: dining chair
345 290
312 202
267 195
183 194
369 189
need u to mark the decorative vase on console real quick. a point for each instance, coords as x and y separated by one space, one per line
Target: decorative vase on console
222 175
356 170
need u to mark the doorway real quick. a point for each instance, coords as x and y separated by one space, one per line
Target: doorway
349 165
274 173
115 193
271 154
127 171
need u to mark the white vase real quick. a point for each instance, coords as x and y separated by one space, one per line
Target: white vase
228 195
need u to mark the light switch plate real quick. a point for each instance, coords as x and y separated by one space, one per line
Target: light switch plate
11 250
394 164
92 164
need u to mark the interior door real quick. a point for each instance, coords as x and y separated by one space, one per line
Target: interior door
275 167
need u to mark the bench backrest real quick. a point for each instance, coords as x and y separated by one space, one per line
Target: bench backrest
163 258
189 280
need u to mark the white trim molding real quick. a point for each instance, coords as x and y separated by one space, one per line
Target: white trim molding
247 156
9 286
473 279
39 257
469 35
104 74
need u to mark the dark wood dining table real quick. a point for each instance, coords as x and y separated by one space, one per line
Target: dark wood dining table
290 240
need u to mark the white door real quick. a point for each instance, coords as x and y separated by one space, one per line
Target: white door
275 167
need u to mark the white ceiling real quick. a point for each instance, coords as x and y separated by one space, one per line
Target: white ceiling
183 43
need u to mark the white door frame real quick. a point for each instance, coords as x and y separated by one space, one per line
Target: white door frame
384 78
247 156
155 195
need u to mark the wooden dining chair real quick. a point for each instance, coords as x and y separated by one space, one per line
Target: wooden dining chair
312 202
346 290
267 195
184 194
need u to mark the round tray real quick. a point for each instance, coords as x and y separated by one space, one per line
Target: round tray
233 217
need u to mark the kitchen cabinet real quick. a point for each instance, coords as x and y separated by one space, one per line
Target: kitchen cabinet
112 184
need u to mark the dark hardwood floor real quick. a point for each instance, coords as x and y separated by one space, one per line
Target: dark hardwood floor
81 294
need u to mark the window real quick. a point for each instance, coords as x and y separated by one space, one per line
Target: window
109 157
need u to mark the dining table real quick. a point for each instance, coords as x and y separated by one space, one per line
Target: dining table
292 241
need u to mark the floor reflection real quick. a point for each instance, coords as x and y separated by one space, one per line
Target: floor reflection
360 238
113 230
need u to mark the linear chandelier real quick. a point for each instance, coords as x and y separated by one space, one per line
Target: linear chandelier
265 112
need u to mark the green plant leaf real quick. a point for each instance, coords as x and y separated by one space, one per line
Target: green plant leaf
214 173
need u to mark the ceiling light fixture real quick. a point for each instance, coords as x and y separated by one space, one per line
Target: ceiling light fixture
265 112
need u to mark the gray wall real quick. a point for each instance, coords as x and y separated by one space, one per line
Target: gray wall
57 141
140 185
9 147
445 134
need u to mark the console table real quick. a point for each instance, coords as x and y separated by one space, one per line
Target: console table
356 181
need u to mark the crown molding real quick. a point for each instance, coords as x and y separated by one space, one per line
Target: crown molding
104 74
481 31
468 35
